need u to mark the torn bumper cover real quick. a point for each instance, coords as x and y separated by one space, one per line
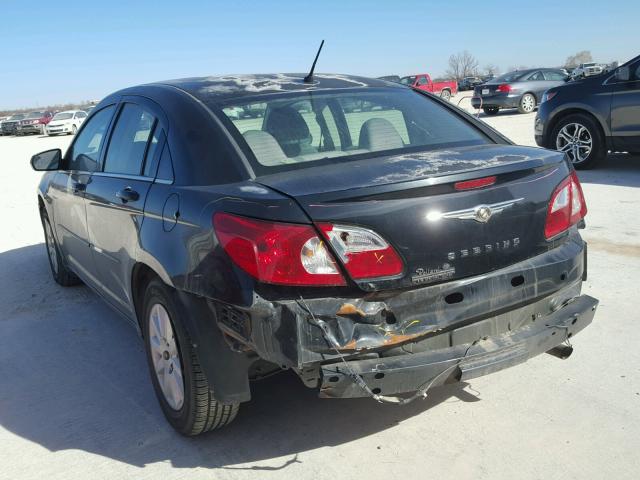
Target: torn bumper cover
407 373
399 340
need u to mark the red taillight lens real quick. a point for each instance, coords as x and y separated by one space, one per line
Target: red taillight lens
567 207
279 253
364 253
504 88
475 183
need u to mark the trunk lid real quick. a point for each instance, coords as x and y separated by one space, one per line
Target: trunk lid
410 200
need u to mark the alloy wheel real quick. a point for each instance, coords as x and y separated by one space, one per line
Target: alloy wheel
528 103
165 355
576 141
51 246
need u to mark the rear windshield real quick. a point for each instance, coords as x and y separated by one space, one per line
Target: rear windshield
63 116
308 128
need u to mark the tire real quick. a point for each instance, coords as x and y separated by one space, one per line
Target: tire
527 103
175 368
490 110
74 130
61 274
445 95
569 138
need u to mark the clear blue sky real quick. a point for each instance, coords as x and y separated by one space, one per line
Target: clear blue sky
59 51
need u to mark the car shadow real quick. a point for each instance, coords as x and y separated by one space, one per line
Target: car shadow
73 375
618 169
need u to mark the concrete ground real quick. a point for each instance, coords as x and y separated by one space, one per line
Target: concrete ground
76 400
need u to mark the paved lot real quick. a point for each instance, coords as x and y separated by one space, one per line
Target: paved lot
76 401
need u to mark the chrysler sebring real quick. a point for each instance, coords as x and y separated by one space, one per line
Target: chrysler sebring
373 239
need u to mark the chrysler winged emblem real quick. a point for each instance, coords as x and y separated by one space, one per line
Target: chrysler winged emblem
479 213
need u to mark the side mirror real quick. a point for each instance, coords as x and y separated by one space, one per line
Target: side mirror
623 74
47 161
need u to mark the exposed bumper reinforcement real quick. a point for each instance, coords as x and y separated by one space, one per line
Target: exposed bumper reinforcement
408 373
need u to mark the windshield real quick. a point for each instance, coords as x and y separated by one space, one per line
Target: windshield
35 115
19 116
588 64
63 116
305 129
511 76
408 80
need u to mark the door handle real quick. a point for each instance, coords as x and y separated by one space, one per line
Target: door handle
128 195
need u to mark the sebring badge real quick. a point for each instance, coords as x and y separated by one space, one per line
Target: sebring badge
479 213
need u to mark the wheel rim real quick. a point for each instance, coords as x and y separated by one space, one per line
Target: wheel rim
528 103
166 360
51 247
576 141
446 95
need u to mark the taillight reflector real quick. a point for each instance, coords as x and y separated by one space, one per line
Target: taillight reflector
364 253
275 252
566 208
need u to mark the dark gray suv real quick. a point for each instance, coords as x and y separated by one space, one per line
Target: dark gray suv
521 89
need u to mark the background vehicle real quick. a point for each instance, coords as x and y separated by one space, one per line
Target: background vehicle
34 122
422 81
587 70
245 243
89 109
587 117
468 83
520 89
67 122
10 125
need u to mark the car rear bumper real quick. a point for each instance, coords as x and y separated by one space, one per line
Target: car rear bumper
408 373
501 101
403 337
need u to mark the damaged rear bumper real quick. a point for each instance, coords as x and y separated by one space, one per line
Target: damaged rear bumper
408 373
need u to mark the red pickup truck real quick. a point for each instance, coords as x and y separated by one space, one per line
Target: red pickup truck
422 81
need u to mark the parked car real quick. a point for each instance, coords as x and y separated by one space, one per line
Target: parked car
423 81
2 119
588 117
375 253
468 83
34 122
67 122
521 89
391 78
88 110
10 125
587 70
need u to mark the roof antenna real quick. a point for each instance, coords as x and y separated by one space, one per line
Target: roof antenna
309 78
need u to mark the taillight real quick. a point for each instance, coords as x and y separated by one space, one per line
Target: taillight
364 253
566 208
279 253
475 183
504 88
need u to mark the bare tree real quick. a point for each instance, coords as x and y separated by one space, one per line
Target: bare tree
573 61
461 65
491 69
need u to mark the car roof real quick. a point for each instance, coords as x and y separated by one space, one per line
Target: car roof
229 87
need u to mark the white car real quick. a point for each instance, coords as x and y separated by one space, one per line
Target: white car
67 122
587 69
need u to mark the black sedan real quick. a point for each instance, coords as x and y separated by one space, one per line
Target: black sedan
376 252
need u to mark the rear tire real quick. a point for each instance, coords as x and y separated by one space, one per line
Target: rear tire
445 95
61 274
185 395
490 110
527 103
573 135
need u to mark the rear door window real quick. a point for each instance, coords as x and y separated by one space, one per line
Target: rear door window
536 76
129 140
